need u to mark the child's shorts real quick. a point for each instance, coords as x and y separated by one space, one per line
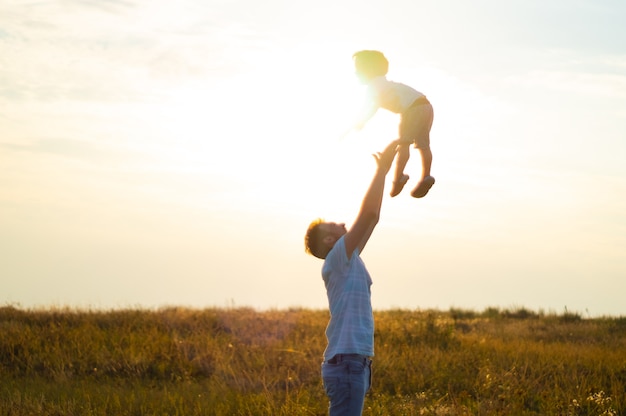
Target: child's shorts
415 123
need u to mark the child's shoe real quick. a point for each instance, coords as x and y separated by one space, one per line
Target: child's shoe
397 186
423 187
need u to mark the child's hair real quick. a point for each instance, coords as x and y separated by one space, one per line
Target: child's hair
313 240
370 64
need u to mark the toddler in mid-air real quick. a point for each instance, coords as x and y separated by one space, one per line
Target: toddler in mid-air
416 117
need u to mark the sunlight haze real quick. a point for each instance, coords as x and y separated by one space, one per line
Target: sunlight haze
158 153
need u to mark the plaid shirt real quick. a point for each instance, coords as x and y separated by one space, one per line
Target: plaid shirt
351 326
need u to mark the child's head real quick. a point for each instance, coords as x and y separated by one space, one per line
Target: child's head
370 64
321 236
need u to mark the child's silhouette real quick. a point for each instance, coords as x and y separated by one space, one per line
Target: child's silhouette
415 111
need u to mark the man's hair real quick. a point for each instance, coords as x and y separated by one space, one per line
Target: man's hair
313 243
370 64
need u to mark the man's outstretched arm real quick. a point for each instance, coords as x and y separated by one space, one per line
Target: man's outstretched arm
367 218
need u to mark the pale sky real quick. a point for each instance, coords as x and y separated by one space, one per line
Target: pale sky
159 153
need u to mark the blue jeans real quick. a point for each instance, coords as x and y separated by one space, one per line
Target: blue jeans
347 377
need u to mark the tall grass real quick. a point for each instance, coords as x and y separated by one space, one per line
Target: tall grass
179 361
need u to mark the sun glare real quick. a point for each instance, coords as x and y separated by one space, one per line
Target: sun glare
287 125
275 117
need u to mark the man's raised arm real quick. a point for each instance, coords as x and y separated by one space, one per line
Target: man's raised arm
360 232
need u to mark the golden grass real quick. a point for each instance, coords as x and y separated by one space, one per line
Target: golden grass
179 361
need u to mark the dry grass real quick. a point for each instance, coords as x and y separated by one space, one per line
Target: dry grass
180 361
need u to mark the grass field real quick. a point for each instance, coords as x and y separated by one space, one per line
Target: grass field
179 361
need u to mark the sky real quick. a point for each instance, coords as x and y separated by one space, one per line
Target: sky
158 153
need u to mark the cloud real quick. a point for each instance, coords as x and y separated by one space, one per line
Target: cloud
106 51
603 77
599 84
110 6
82 150
61 53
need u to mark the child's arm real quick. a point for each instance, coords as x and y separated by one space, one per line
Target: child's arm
366 112
359 120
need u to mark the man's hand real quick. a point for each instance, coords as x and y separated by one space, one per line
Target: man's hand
385 158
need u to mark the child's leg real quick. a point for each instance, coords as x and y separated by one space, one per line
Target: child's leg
422 142
402 158
399 178
427 161
427 181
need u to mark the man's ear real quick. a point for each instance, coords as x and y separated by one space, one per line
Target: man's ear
329 241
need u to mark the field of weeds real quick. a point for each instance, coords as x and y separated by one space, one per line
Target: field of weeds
238 361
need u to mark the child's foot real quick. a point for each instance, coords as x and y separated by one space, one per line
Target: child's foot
397 185
423 187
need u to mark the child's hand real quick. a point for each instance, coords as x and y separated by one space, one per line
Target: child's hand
385 158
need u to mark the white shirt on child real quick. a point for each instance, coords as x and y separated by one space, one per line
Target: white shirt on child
392 96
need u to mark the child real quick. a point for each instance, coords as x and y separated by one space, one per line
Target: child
415 111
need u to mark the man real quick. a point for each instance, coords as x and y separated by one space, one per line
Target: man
346 370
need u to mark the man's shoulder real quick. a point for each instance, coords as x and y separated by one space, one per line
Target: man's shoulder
336 257
338 249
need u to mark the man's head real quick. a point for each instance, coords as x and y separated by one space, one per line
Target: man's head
370 64
321 236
